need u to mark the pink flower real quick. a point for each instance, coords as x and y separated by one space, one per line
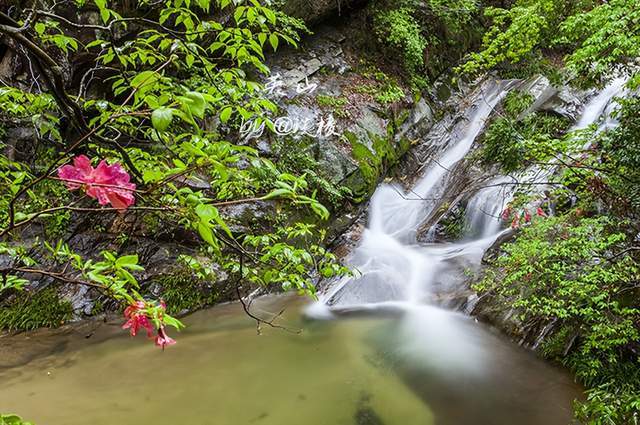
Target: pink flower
106 183
137 319
506 213
527 216
163 339
540 212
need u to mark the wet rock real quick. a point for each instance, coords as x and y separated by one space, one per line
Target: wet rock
418 123
241 217
312 12
334 162
563 101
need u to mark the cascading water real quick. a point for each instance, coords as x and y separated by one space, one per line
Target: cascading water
601 106
483 209
392 267
397 274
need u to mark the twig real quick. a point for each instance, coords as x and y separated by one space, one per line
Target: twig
258 320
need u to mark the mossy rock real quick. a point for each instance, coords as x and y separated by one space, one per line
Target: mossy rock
28 311
183 292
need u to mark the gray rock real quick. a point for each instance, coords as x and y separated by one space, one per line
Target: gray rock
563 101
334 162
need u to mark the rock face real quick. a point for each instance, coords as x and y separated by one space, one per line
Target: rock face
315 11
328 109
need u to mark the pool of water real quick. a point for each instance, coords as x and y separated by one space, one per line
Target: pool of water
418 366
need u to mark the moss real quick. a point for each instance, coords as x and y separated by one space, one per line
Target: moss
373 162
454 224
401 118
29 311
182 291
335 103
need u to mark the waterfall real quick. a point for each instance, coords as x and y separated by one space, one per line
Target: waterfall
396 273
600 105
389 263
483 209
396 213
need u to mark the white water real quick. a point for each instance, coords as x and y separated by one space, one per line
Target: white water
601 106
397 214
483 210
422 282
391 264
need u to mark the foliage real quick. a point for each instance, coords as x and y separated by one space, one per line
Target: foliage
399 29
157 111
516 102
183 291
514 34
375 160
611 403
620 154
8 419
515 144
606 37
426 36
390 93
454 13
577 274
290 265
384 89
597 37
297 157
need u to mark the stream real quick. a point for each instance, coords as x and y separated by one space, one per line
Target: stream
384 347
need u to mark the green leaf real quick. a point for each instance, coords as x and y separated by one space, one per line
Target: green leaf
238 13
273 40
270 15
320 210
127 260
198 104
40 28
104 14
278 193
207 234
161 118
143 78
225 114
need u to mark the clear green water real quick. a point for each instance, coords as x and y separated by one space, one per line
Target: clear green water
403 370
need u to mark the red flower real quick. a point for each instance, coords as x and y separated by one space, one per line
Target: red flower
163 339
540 212
506 213
527 216
106 183
137 319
